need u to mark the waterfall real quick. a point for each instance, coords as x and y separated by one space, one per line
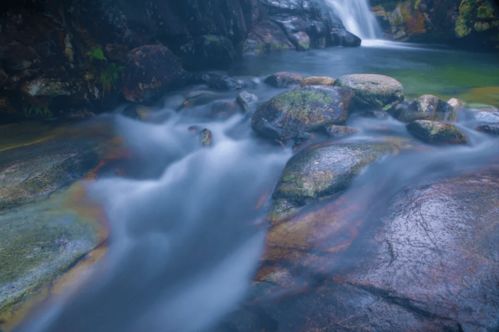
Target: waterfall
357 17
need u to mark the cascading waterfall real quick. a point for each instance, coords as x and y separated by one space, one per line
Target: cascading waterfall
357 17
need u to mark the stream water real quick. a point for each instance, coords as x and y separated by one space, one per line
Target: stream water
186 230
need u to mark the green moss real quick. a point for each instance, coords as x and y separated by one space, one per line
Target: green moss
485 11
110 76
96 54
38 112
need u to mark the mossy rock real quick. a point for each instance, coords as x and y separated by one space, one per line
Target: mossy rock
38 243
322 171
438 133
293 114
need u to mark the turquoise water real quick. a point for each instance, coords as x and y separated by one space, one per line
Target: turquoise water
473 77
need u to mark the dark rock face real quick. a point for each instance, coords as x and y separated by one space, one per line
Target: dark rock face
465 23
433 132
429 264
67 59
293 114
150 71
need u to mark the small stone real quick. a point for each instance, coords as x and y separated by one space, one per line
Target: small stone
206 137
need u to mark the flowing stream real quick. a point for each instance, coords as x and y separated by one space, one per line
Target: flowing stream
186 231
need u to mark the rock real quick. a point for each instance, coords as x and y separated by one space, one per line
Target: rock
151 70
317 80
199 97
36 171
491 129
433 132
452 224
372 91
48 87
206 137
336 131
218 81
426 107
341 37
293 114
456 104
321 171
208 51
246 100
284 79
266 37
408 270
40 242
484 115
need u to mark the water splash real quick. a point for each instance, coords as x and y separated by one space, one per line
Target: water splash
357 17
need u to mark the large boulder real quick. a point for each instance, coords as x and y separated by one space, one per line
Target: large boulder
151 71
293 114
426 107
425 261
372 91
208 51
434 132
322 171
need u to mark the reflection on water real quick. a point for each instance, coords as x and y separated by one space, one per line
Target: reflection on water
186 232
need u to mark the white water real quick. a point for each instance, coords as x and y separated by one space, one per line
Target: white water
357 17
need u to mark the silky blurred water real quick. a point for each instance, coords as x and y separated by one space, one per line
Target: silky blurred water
186 221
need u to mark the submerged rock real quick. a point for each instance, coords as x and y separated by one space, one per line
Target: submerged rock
322 171
151 70
426 107
284 79
433 132
372 91
491 129
336 131
293 114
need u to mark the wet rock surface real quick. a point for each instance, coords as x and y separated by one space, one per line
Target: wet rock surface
372 91
426 107
427 263
292 114
433 132
151 70
322 171
45 225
